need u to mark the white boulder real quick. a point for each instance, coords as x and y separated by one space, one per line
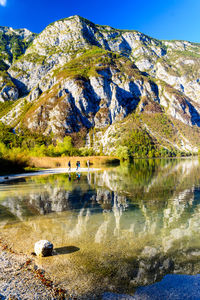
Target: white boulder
43 248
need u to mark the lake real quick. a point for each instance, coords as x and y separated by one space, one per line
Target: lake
113 230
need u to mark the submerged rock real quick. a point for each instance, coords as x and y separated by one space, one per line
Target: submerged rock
43 248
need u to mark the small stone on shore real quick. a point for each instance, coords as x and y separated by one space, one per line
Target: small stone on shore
43 248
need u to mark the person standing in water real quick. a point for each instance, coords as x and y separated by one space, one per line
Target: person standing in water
69 165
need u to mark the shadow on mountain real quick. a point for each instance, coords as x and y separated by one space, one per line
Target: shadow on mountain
23 91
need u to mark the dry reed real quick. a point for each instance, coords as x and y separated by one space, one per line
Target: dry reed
62 162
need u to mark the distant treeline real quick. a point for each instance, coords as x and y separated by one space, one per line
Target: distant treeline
17 146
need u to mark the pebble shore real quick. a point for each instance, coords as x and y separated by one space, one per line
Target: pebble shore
21 279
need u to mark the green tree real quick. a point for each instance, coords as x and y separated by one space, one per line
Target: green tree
66 146
122 152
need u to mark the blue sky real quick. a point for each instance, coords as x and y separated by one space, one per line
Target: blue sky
170 19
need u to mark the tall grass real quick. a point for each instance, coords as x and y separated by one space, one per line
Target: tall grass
16 160
12 160
62 162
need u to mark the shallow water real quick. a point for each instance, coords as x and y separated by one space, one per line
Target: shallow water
113 230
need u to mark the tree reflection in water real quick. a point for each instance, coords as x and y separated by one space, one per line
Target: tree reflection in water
134 223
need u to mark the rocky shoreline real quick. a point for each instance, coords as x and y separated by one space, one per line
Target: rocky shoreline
22 279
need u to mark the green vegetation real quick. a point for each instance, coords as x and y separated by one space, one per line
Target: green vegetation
139 175
160 124
191 70
123 152
17 147
34 58
133 140
4 77
3 65
16 45
5 80
11 160
191 134
87 64
139 143
94 60
188 54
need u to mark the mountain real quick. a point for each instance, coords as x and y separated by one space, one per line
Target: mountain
13 44
101 85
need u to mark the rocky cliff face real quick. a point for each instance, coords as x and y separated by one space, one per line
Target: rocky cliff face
76 75
13 43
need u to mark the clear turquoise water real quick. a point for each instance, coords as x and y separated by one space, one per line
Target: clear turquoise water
130 225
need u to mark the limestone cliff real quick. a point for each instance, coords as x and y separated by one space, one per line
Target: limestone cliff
77 75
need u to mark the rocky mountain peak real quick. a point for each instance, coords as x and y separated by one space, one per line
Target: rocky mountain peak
22 34
78 75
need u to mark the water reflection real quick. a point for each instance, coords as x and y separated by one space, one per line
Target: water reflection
134 223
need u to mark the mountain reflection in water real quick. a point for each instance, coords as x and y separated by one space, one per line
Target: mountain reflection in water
133 224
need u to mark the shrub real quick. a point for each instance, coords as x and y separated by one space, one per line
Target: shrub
122 152
65 147
86 151
139 143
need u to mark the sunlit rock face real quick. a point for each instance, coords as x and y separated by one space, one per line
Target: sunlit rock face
78 75
14 43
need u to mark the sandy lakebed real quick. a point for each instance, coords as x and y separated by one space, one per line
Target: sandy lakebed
93 245
20 277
